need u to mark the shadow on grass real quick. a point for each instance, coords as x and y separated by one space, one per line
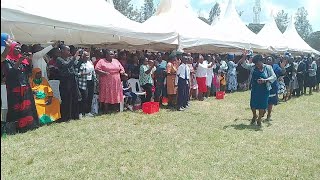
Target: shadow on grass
244 127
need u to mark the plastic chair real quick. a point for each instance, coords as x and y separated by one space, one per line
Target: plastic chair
134 84
4 103
54 84
122 103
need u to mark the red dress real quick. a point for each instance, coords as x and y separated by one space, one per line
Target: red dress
110 85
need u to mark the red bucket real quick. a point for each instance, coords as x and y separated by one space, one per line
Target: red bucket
220 95
150 107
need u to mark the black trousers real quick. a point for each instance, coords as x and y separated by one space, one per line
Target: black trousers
183 92
87 96
69 98
148 89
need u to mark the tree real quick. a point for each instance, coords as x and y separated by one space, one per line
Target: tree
302 23
240 13
148 9
256 28
127 9
214 12
204 19
282 20
314 40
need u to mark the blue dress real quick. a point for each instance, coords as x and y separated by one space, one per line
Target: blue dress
259 92
232 76
273 97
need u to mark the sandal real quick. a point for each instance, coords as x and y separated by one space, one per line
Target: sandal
253 120
259 123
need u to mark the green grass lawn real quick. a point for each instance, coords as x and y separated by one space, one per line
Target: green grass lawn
211 140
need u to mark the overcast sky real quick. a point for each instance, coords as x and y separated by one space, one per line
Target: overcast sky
290 6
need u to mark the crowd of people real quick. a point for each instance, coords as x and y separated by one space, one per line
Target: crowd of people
95 81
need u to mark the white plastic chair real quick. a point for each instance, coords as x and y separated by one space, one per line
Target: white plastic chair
4 105
54 84
134 84
122 103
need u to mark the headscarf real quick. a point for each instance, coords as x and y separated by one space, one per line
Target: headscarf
13 57
34 72
4 37
230 57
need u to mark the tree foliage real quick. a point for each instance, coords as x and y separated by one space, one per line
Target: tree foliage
282 20
302 23
240 13
314 40
214 12
256 28
148 9
204 20
127 9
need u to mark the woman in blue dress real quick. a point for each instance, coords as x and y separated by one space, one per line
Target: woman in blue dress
279 70
262 78
232 83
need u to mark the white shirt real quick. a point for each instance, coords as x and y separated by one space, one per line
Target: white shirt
89 69
210 71
223 66
182 71
202 70
39 62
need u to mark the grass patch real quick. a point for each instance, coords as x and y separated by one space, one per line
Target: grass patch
211 140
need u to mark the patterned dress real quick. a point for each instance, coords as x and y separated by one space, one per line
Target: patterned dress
46 113
22 113
110 85
232 76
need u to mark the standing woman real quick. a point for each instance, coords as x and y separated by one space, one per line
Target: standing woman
145 78
261 80
22 113
232 74
110 87
312 75
134 68
279 71
171 76
68 86
201 76
86 81
318 75
160 77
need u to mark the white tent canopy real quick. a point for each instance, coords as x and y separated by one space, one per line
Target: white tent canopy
97 22
233 30
194 34
271 36
295 42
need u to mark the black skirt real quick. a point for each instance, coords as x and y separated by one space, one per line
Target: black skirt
311 81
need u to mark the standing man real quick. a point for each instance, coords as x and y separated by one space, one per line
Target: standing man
182 81
39 53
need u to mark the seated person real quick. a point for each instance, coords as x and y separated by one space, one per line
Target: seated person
48 107
127 91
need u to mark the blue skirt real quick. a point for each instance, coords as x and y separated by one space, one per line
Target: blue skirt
273 100
259 97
